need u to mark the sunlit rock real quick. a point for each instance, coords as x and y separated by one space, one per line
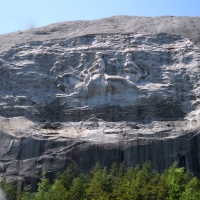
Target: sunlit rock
128 93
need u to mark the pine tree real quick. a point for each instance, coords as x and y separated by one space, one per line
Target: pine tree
44 192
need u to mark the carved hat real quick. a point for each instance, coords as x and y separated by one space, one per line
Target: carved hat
84 55
100 54
129 55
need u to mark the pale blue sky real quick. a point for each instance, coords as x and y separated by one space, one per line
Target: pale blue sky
24 14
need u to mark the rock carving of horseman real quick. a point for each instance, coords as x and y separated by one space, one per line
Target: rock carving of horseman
97 70
69 80
132 71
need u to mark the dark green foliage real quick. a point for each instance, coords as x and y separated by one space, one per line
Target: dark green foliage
10 189
99 186
44 189
68 175
78 189
117 183
26 195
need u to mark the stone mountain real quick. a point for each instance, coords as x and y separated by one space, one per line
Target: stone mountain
119 89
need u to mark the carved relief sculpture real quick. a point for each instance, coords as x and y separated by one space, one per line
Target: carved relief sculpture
94 78
114 65
132 70
67 81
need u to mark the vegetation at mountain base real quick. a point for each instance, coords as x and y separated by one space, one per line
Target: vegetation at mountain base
116 183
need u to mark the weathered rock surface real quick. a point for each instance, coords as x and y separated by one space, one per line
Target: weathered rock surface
110 90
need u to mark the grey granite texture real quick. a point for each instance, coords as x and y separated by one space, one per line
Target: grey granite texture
109 90
185 26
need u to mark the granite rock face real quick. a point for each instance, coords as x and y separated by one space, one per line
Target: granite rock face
110 90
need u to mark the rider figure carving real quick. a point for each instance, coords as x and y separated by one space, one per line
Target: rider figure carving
131 70
114 65
98 67
82 65
96 71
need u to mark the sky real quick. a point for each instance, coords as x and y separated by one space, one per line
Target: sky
25 14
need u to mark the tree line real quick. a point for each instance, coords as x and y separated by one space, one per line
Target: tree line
116 183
